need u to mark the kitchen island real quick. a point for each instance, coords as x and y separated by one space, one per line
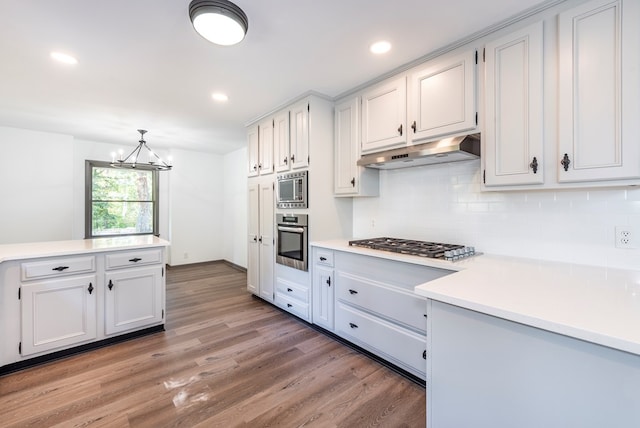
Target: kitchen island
528 343
61 297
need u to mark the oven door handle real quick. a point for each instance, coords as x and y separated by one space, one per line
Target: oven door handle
291 229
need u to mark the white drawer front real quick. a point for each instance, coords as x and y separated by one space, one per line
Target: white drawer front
398 305
292 291
384 339
323 257
294 306
133 258
57 267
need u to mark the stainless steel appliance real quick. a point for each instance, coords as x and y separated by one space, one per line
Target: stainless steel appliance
291 240
434 250
291 190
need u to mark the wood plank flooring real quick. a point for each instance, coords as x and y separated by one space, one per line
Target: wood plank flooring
226 359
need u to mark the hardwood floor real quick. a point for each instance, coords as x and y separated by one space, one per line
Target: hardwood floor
226 359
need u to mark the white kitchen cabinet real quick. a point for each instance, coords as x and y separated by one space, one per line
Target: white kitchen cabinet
323 294
260 149
351 179
293 297
384 115
442 97
513 137
281 141
58 313
133 298
252 151
261 257
299 135
599 91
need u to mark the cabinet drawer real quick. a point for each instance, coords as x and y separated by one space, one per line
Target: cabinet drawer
323 257
57 267
133 258
293 291
398 305
294 306
379 336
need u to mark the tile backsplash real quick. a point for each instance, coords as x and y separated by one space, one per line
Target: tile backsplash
444 203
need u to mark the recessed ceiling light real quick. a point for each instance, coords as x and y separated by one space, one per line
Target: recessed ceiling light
220 97
380 47
64 58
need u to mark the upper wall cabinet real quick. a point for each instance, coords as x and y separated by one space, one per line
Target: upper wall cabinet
384 115
599 91
260 149
281 140
299 135
513 135
252 151
442 97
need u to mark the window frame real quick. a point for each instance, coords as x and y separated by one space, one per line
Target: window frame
88 199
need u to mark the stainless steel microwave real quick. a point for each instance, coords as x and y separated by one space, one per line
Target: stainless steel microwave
291 190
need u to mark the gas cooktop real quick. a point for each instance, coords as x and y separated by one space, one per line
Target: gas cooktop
433 250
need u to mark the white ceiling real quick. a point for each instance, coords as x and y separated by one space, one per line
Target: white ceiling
141 64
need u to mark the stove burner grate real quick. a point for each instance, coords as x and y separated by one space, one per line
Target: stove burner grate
409 246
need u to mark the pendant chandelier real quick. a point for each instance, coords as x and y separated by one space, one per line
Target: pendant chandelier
135 159
219 21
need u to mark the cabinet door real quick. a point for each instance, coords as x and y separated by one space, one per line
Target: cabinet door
281 141
299 136
58 313
599 91
443 97
513 138
252 151
347 151
133 298
384 113
265 241
253 255
265 140
323 297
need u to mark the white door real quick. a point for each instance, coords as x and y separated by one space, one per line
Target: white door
281 142
299 136
443 97
513 137
252 151
253 249
384 113
265 129
599 97
323 297
266 240
58 313
133 298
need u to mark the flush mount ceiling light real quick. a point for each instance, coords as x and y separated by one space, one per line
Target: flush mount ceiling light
219 21
135 160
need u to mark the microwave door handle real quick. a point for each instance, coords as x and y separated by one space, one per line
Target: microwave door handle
291 229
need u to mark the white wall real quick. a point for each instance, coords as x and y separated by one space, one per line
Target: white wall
444 203
235 207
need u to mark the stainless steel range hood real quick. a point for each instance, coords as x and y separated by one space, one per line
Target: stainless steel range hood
453 149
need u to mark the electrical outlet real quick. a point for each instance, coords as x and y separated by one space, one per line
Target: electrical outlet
625 237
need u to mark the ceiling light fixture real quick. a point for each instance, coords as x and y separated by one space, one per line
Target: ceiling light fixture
219 21
64 58
133 161
380 47
220 97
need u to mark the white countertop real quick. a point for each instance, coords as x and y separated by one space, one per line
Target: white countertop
594 304
78 246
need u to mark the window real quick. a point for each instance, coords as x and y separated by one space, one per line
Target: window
120 201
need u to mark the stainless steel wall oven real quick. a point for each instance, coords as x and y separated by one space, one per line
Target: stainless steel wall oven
292 240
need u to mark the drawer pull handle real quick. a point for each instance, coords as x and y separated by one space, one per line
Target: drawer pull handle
135 259
289 290
289 305
110 285
60 268
329 281
425 315
353 291
90 289
323 259
352 325
424 354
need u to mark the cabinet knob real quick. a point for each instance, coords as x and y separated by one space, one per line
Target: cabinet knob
259 166
353 291
353 182
424 354
323 259
110 285
329 281
534 165
289 305
255 167
400 130
414 126
352 325
289 290
565 162
90 289
260 239
255 239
